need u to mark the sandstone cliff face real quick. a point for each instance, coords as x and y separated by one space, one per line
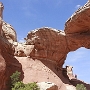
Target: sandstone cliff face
9 33
5 49
48 44
77 28
41 57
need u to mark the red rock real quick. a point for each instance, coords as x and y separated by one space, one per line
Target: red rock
77 28
49 44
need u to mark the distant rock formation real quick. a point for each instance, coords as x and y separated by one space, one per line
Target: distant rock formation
41 57
68 72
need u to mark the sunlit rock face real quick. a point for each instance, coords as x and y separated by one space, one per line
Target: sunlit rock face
77 28
49 44
9 32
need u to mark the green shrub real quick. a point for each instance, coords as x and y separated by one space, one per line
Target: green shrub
31 86
19 85
22 86
80 87
15 77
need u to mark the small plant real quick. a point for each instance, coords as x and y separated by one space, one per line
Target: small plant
31 86
19 85
80 87
15 77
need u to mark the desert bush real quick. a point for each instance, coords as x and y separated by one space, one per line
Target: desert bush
15 77
19 85
80 87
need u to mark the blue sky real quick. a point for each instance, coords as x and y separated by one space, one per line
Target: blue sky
26 15
80 60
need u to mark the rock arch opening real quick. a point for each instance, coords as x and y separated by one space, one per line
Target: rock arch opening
80 60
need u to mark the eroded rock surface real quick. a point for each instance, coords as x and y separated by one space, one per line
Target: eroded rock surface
79 21
22 50
48 43
41 70
47 86
77 28
6 53
68 72
8 32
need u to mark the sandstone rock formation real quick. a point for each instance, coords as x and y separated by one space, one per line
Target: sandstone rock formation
68 72
41 57
70 87
48 44
22 50
9 32
47 86
77 27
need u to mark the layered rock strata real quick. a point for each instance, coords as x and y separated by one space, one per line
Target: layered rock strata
77 28
48 44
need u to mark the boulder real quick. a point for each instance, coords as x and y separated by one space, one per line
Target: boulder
9 32
70 87
47 86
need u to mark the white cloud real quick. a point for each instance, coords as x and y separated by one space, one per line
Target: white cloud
28 8
76 55
80 60
58 3
78 6
21 40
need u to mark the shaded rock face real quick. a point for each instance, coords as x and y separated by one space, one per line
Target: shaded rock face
41 57
5 50
8 64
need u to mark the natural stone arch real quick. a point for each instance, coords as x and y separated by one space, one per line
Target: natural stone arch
56 44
